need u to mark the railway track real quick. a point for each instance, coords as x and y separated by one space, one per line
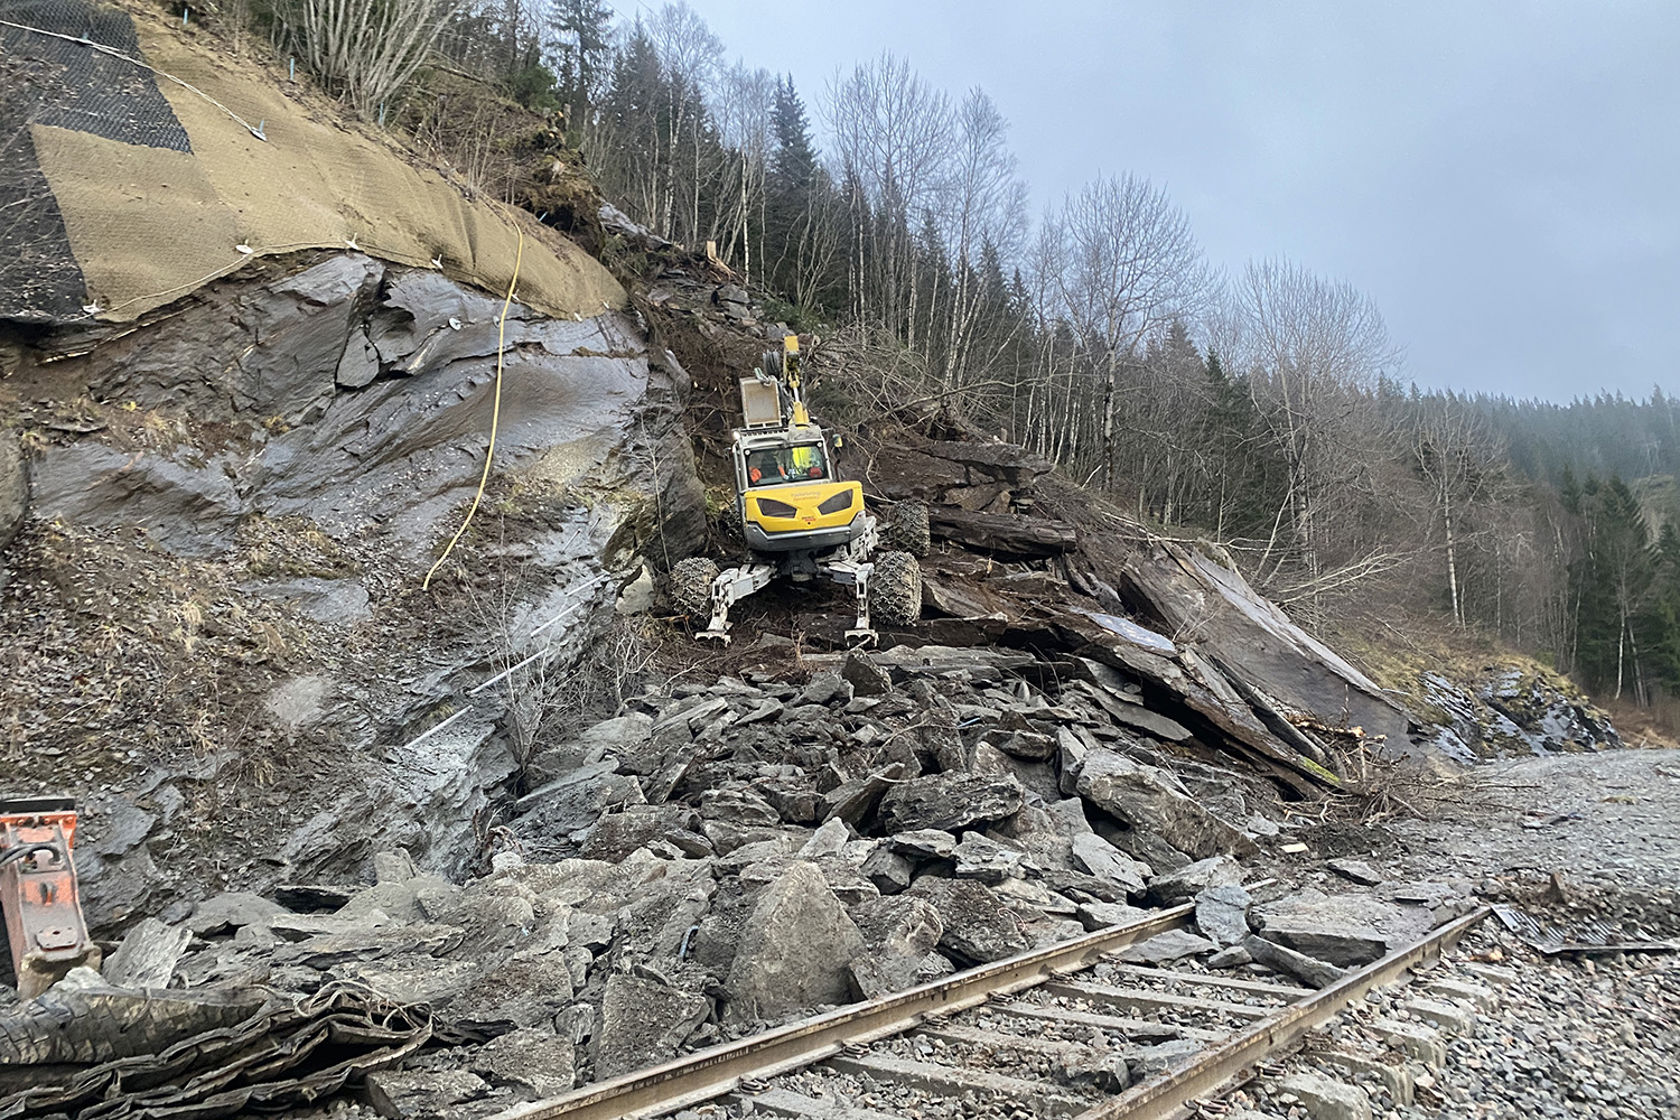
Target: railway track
1065 1031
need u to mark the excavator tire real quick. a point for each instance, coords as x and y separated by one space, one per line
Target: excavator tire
907 528
729 525
895 589
690 587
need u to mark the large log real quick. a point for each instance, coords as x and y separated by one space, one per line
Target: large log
1003 535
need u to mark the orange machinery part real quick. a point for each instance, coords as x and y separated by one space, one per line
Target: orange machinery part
38 892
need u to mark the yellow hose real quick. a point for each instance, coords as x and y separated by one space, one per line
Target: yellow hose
495 415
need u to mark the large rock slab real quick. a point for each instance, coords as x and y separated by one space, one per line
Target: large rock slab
1253 641
949 802
1222 914
795 949
978 926
1347 930
898 935
1105 861
14 487
1192 879
642 1023
1148 798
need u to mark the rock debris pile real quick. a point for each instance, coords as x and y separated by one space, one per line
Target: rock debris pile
748 851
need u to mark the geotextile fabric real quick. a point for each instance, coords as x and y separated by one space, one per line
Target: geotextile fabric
137 190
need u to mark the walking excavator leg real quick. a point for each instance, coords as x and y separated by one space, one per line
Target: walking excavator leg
856 574
729 588
38 892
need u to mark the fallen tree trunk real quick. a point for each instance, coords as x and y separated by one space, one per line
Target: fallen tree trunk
1003 534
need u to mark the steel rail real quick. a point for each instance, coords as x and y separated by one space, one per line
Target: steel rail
1169 1094
709 1073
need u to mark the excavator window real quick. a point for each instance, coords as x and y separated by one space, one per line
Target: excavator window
800 463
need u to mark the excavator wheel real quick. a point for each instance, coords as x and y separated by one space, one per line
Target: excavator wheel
895 589
907 528
690 587
729 525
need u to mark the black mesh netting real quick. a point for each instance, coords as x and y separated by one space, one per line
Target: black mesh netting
50 81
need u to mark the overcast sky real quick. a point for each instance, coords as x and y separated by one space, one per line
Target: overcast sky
1502 178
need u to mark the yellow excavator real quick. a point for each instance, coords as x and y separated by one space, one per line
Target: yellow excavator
798 519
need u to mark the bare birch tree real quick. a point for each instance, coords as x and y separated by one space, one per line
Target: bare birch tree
1124 264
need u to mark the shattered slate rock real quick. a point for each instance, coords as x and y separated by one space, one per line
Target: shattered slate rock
1105 861
738 806
1150 799
949 802
794 949
1102 915
533 1060
526 990
978 926
866 677
980 857
889 871
575 801
1234 956
853 801
418 1094
616 835
1106 1072
1149 1061
828 840
643 1022
898 934
1317 973
1164 948
230 911
924 843
1222 914
147 956
1187 882
1348 930
1356 871
827 687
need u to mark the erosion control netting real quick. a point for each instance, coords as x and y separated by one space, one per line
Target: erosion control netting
122 190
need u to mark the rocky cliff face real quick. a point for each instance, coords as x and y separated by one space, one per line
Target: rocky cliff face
216 633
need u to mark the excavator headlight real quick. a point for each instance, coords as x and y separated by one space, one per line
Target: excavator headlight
840 501
770 507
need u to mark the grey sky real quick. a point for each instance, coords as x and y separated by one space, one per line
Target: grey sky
1500 178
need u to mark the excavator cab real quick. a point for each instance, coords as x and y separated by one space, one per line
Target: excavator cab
797 517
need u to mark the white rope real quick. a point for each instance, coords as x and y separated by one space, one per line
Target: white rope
114 53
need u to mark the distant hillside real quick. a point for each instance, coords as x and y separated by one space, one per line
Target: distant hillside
1599 436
